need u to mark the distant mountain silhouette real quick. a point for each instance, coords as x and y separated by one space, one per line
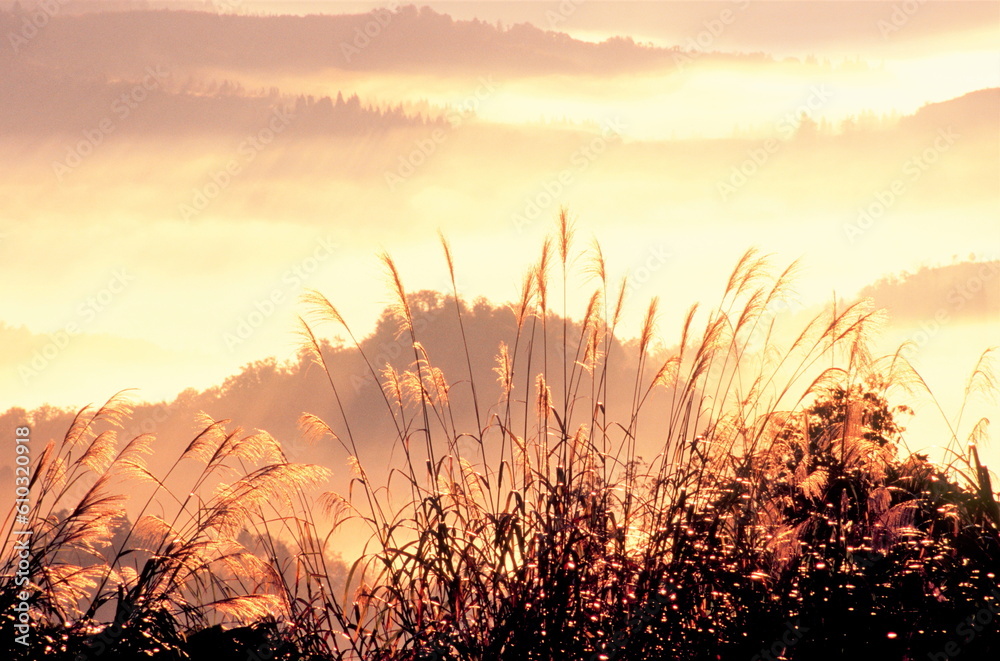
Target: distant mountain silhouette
270 396
72 74
34 100
979 109
409 39
968 290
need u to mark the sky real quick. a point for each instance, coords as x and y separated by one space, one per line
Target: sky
172 183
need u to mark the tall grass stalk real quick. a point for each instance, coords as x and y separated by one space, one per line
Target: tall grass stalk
695 511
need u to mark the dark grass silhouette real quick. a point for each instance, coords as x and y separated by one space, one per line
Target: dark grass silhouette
779 517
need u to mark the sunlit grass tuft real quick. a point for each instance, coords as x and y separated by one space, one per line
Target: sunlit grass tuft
696 508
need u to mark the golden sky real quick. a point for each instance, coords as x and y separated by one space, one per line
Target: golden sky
164 201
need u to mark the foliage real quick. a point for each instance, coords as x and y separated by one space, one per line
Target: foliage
780 516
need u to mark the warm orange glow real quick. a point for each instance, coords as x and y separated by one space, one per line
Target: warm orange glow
676 160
